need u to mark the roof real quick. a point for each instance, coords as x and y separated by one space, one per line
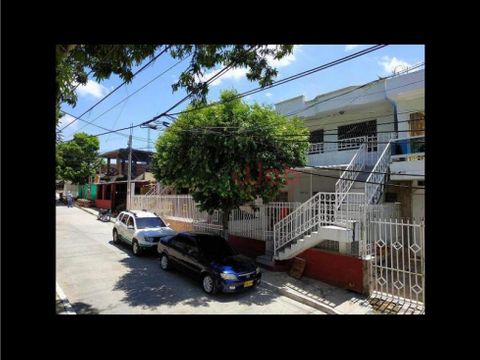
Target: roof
122 153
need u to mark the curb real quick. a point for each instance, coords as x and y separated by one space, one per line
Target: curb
307 301
66 304
84 209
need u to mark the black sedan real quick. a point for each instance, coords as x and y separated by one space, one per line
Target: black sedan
211 259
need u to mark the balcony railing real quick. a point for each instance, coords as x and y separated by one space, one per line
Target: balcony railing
408 149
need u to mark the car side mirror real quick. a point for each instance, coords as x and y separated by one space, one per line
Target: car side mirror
168 224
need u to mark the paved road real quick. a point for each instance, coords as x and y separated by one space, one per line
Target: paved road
100 277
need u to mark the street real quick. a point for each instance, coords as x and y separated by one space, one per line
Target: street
99 277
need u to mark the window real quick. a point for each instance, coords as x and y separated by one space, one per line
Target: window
178 243
124 219
316 136
417 124
349 135
391 197
215 247
120 217
151 222
130 221
420 183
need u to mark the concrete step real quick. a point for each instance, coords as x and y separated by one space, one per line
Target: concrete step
266 261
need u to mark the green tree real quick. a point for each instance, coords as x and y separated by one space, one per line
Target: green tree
78 159
229 153
75 62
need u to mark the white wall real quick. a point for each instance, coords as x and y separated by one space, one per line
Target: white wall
418 203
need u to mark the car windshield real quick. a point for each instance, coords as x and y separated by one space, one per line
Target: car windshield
215 247
150 222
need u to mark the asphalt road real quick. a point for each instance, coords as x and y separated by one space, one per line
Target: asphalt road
99 277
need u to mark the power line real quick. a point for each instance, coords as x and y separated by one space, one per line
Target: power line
360 181
110 131
290 78
136 91
211 79
365 171
119 86
357 88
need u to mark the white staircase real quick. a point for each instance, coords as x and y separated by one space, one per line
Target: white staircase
334 216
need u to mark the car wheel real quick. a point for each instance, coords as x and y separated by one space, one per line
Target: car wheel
116 240
136 248
208 285
165 262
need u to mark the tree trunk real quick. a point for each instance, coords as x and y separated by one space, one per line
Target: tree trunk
225 219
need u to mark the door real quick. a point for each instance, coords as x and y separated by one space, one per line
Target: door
177 249
192 256
397 264
122 226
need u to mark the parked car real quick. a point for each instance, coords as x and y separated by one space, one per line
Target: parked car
211 259
141 229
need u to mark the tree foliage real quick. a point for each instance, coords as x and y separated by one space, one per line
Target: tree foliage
75 62
229 153
78 159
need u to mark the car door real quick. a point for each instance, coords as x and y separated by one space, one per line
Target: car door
192 256
176 250
120 225
129 229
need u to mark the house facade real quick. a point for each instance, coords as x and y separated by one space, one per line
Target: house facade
365 164
388 110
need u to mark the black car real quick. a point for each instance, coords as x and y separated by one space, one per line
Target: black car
211 259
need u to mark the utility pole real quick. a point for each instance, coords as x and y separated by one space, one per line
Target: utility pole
129 168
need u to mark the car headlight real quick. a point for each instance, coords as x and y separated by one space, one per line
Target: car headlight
228 276
257 270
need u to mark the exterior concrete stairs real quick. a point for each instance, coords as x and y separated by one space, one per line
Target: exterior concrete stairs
342 234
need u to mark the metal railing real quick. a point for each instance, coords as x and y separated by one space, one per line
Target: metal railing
376 180
319 210
347 179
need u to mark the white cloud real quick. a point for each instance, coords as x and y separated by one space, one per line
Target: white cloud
268 94
67 119
239 73
392 64
92 88
351 47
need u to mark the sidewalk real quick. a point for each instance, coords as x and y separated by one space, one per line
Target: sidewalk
317 294
94 211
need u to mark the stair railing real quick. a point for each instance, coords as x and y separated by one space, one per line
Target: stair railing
375 183
358 162
315 212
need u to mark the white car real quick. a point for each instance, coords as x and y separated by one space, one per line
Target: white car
141 229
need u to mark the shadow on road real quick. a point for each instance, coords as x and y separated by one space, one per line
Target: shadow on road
82 308
147 285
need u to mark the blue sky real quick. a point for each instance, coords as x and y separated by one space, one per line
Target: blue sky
158 96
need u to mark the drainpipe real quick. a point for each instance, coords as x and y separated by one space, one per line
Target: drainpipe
394 105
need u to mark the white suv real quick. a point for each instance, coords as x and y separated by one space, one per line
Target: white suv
141 229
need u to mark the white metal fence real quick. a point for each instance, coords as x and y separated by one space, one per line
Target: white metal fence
397 262
253 222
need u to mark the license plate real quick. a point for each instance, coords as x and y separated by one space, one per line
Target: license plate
248 283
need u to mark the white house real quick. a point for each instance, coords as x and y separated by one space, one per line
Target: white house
387 110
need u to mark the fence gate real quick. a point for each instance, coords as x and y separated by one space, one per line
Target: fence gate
396 266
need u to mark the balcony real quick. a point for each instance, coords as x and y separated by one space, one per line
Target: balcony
341 153
408 156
